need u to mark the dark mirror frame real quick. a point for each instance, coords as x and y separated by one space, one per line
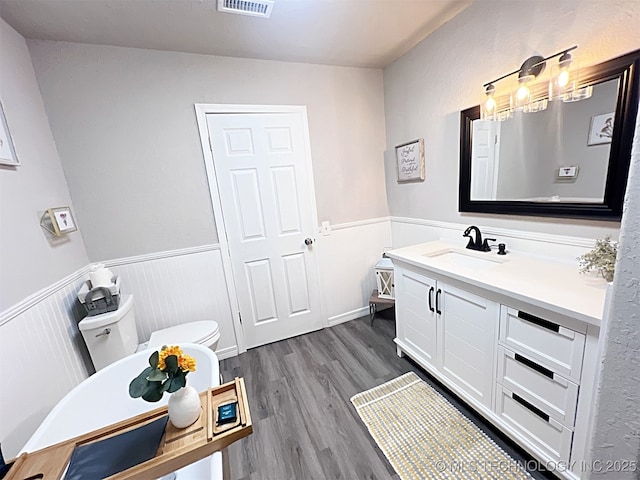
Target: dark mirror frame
626 69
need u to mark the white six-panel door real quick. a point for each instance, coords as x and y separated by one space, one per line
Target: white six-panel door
486 155
264 184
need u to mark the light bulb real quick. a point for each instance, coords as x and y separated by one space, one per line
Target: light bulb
522 93
490 104
563 78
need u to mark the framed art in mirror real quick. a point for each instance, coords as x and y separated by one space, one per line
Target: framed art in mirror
7 150
512 167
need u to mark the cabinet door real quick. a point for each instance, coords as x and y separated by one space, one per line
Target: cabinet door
415 320
468 334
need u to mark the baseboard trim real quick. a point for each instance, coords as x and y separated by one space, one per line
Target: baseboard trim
359 223
347 316
40 295
228 352
159 255
502 232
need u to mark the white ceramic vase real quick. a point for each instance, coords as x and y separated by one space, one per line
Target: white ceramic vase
184 407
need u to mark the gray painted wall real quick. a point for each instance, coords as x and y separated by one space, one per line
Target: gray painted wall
426 89
29 258
616 431
126 130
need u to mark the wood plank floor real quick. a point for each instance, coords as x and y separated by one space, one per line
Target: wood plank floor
304 424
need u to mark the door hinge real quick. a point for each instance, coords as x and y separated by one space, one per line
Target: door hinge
240 317
210 146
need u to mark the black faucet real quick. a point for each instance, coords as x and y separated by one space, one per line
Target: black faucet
477 243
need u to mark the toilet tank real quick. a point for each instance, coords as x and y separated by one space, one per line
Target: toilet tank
112 335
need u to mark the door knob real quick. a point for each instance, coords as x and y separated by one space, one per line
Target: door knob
308 241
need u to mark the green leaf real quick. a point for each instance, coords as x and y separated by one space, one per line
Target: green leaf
177 382
153 359
157 375
154 394
172 365
140 384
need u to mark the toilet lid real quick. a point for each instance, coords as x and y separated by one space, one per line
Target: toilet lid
193 332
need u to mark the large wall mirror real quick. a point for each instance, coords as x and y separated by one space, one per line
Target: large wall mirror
570 160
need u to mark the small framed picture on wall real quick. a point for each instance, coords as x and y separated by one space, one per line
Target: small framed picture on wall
410 161
58 221
7 151
601 129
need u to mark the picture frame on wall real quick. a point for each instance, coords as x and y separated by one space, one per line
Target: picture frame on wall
601 129
410 161
7 150
58 221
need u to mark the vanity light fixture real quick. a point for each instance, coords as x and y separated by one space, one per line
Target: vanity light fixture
526 96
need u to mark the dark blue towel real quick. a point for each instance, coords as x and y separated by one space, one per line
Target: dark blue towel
4 468
104 458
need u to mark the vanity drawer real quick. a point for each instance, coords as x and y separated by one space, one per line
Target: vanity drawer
534 424
538 385
558 348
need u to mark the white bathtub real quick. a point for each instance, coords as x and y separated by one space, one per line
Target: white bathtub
103 399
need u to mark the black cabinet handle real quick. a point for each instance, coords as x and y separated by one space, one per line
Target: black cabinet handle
431 299
541 322
438 311
530 407
534 366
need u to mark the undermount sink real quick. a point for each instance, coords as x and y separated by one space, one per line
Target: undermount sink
462 258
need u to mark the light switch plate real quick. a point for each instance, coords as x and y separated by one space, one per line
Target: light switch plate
325 228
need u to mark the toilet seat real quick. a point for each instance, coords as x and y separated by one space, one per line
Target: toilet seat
205 333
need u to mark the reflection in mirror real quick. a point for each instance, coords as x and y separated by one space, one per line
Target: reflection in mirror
560 154
570 160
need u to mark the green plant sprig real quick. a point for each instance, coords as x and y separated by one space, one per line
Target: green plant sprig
153 382
602 258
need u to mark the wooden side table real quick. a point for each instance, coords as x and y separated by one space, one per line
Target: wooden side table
375 300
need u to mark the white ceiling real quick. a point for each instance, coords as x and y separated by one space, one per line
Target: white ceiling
363 33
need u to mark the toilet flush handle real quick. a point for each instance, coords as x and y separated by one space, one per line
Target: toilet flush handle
106 331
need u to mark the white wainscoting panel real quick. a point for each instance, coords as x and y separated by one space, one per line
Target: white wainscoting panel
346 259
185 286
43 356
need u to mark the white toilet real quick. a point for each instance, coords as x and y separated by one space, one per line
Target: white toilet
113 335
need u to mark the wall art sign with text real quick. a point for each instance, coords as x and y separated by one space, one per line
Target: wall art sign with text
410 160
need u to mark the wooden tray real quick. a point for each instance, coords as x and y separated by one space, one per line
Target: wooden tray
179 446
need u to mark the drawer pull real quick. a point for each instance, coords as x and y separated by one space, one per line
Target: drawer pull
438 311
528 406
539 321
534 366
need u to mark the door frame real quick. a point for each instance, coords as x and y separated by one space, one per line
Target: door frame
202 109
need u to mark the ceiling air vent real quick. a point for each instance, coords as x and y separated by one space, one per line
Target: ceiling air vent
253 8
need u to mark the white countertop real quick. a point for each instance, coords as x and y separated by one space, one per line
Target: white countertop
555 286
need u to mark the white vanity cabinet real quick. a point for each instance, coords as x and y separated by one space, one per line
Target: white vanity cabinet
521 352
448 331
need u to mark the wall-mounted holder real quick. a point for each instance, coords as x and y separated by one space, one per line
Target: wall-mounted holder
58 221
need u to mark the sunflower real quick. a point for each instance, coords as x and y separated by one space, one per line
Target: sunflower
186 362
